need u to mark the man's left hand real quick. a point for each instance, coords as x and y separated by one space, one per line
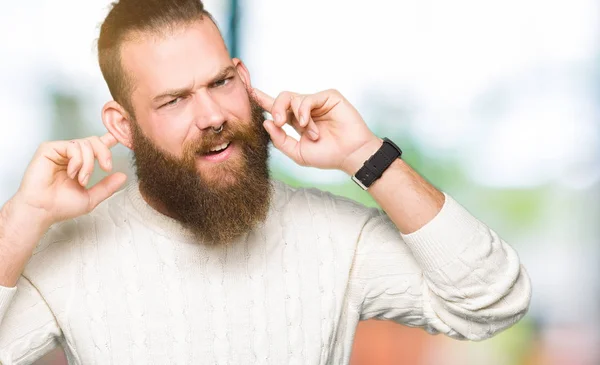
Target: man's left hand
333 135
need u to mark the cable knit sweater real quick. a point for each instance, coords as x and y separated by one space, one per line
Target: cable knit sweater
127 285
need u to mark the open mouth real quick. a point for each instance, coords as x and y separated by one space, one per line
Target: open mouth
218 149
218 153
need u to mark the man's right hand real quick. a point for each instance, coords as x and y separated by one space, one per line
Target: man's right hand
52 190
54 185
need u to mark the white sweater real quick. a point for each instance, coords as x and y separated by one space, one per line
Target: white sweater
127 285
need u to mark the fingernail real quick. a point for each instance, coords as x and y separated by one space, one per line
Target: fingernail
278 117
302 120
109 164
313 134
85 179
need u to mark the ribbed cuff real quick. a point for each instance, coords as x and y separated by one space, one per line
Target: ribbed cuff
445 237
6 296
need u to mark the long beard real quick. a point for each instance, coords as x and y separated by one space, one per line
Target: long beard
220 203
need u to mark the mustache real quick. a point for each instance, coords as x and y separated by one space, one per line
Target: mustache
233 130
209 139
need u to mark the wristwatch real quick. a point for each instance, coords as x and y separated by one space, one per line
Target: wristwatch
374 167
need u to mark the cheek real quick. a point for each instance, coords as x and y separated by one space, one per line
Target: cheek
170 131
235 102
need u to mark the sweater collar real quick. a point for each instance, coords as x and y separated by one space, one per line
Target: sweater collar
165 225
153 219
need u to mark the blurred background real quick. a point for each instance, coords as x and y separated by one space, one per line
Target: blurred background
495 102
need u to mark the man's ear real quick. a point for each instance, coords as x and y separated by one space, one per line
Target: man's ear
243 72
118 123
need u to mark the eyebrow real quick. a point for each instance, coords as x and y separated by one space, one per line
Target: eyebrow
179 92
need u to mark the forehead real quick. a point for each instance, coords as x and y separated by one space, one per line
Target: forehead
178 57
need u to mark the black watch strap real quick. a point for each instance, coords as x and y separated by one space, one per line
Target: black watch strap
374 167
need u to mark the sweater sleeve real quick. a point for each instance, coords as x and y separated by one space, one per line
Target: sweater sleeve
28 329
453 276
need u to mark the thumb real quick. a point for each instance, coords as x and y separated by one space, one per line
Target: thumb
105 189
286 144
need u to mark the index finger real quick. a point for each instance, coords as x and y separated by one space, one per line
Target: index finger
264 100
109 140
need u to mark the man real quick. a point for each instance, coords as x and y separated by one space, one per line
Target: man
206 260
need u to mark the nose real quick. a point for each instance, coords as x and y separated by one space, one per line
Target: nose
208 112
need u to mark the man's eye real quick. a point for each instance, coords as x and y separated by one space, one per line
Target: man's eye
172 102
222 82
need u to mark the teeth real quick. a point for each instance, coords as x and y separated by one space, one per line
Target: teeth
220 147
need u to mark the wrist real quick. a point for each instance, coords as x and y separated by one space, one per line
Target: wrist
21 228
18 215
356 159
